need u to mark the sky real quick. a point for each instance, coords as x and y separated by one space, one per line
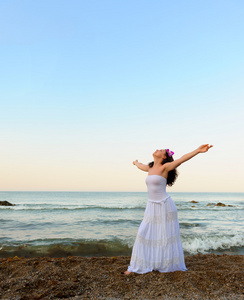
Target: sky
86 87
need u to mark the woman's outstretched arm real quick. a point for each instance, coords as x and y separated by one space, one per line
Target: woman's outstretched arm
141 166
174 164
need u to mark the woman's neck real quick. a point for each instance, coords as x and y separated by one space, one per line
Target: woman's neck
157 161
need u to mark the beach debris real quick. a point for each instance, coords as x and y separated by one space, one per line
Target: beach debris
85 278
16 257
6 203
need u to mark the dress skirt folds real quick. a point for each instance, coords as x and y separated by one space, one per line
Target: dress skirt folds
158 245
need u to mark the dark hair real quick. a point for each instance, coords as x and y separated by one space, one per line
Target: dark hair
173 174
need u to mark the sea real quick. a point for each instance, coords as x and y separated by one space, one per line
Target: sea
62 224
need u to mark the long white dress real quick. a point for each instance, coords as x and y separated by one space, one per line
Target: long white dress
158 246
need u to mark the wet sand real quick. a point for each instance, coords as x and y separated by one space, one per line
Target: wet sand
208 277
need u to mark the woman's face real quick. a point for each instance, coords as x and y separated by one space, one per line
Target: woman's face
160 153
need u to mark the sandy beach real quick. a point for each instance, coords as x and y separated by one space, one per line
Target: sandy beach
208 277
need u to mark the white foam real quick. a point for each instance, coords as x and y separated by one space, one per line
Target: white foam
204 243
69 207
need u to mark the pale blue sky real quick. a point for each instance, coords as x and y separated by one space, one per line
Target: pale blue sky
86 87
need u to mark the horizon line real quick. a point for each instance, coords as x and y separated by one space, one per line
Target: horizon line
88 191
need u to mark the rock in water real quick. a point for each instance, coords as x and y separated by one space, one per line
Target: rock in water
6 203
220 204
193 201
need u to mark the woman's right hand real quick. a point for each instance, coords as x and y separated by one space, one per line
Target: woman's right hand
204 148
135 161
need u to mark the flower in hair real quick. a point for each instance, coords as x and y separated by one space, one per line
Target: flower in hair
170 153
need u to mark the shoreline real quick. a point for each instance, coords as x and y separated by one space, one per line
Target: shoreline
209 276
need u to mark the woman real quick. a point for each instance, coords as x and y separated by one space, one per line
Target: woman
158 246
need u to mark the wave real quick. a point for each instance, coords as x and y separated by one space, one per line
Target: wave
26 208
112 208
205 243
65 248
187 225
109 222
94 222
113 247
5 224
212 208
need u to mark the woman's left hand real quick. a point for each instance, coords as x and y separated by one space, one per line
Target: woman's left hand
204 148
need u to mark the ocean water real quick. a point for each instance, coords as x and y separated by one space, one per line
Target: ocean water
105 223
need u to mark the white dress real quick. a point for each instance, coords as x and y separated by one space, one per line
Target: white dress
158 246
